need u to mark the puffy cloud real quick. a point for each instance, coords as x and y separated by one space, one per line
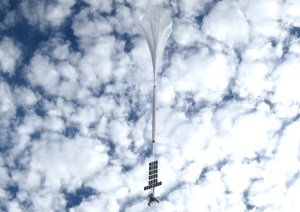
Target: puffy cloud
43 73
44 13
290 14
56 13
192 36
104 6
14 206
193 8
89 27
4 177
263 16
10 55
7 112
94 70
25 97
55 158
197 73
274 188
253 80
227 23
10 19
56 78
4 4
286 79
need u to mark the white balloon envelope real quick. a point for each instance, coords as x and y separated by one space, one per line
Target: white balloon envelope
156 25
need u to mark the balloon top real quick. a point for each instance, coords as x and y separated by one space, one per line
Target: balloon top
156 26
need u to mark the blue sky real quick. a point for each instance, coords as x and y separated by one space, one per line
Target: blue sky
75 106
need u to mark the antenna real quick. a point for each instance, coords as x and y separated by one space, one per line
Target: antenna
156 26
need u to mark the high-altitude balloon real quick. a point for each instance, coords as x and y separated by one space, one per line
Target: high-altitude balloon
156 25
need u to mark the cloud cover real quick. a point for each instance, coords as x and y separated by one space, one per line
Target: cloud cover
76 107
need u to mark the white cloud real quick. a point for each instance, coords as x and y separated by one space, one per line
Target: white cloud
179 201
192 8
198 72
261 49
4 180
93 204
43 73
56 14
103 6
263 16
286 82
88 29
290 14
227 23
7 103
7 112
58 163
191 36
56 78
25 97
10 54
93 70
143 5
14 206
294 51
44 200
43 13
253 80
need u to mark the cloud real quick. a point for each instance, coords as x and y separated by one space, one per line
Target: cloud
264 16
10 55
44 14
102 6
4 177
192 9
286 78
227 23
10 19
90 157
7 111
4 5
290 14
54 72
186 74
252 80
191 38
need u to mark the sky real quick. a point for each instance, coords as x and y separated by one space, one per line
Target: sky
76 94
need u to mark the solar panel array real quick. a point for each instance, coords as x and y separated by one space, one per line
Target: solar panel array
153 176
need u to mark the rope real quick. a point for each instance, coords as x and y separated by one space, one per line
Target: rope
153 124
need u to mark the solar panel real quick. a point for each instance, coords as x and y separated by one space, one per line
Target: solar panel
153 163
153 185
152 181
152 167
153 172
153 176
